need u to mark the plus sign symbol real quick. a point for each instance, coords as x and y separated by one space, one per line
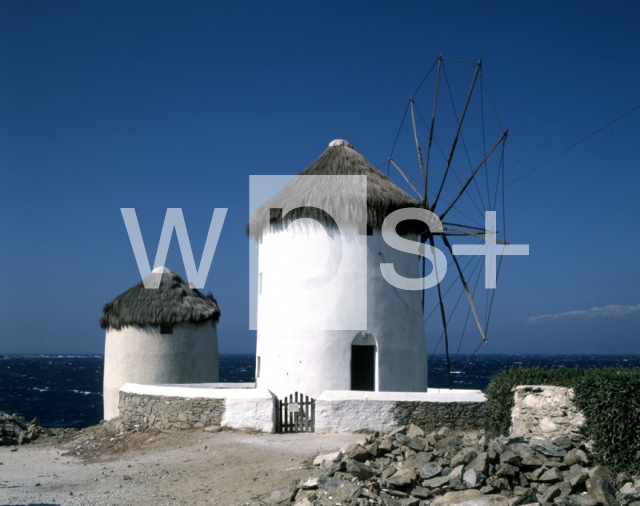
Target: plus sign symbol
490 249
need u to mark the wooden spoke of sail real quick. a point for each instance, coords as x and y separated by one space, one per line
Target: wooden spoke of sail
472 234
415 136
431 127
448 223
406 178
466 289
455 138
443 315
475 171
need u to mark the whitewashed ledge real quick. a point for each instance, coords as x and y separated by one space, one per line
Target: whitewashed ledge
347 411
238 406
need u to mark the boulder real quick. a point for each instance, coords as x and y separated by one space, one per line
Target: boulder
480 463
358 470
506 470
550 494
455 476
562 441
435 482
600 488
458 497
553 475
329 483
630 493
575 500
358 452
463 457
418 460
527 497
576 475
576 456
473 478
510 457
430 470
623 478
278 497
308 484
330 457
372 449
415 431
332 467
420 492
388 473
498 483
348 492
546 448
385 446
400 481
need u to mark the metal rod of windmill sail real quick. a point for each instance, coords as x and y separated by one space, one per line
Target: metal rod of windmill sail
455 138
443 315
475 171
466 289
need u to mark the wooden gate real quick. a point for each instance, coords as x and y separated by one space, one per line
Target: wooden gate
296 413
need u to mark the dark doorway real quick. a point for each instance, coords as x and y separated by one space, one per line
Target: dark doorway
363 368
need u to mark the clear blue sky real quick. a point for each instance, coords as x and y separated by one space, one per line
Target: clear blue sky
153 105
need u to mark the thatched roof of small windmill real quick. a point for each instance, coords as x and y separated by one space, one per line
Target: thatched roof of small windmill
172 303
339 159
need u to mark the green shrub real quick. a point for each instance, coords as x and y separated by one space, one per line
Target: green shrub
609 399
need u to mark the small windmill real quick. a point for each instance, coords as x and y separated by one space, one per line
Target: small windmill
471 181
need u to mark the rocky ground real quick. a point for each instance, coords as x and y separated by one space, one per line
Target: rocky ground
410 468
14 430
97 466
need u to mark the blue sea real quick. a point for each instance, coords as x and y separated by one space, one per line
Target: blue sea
66 391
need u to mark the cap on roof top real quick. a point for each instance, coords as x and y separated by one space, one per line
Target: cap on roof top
340 142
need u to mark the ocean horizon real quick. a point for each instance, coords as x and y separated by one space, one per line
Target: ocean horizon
65 390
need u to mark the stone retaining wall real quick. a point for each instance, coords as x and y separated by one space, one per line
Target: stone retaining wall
148 407
160 412
344 411
430 416
544 411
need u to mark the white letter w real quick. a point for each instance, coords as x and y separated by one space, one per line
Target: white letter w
174 219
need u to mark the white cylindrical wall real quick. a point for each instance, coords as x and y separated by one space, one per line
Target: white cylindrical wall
312 361
145 356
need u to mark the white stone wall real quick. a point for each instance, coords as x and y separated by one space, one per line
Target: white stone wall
143 355
544 411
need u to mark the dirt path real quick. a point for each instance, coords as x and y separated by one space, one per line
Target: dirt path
182 467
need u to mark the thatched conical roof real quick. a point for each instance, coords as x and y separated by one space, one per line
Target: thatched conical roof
339 159
172 303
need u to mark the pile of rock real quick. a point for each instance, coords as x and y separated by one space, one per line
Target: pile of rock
14 430
410 468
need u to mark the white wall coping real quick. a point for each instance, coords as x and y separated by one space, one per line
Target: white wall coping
203 390
432 395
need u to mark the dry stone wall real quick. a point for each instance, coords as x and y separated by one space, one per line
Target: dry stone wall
430 416
160 412
545 411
